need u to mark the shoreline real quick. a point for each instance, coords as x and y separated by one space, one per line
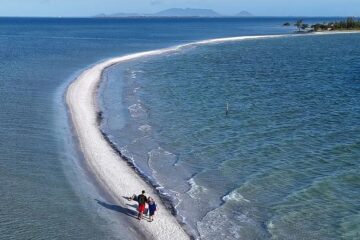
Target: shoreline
110 168
326 32
113 174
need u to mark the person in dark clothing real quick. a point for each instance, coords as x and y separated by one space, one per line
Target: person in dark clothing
142 200
133 197
152 208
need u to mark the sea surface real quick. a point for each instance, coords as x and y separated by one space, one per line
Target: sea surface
283 163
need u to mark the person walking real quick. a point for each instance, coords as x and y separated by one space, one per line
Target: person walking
152 208
142 200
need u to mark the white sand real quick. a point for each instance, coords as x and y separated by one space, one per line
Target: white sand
109 169
113 173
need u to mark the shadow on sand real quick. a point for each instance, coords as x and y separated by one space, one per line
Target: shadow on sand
117 208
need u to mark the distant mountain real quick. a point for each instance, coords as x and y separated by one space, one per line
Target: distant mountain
100 15
176 12
118 15
244 14
187 12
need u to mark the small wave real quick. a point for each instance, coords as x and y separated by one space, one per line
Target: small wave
136 110
270 225
159 150
195 189
133 75
145 128
136 89
168 153
217 224
235 196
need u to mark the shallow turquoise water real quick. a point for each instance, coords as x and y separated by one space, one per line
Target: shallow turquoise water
46 192
283 164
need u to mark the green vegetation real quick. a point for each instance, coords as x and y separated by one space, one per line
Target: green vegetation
301 26
299 23
304 26
350 23
347 24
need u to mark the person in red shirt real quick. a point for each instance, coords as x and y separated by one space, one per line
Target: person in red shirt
142 199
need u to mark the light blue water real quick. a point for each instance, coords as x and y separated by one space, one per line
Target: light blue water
283 164
46 191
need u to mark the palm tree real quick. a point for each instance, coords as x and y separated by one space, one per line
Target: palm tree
299 24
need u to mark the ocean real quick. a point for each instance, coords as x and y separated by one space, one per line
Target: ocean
282 164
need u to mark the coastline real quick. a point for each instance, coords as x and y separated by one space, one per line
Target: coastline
114 174
335 32
110 169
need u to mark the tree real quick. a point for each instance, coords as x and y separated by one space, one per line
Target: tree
299 24
304 26
350 23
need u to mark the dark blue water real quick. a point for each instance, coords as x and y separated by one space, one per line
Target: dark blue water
45 188
284 162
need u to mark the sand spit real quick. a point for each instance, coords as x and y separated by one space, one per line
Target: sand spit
110 170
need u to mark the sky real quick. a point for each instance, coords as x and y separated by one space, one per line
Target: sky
83 8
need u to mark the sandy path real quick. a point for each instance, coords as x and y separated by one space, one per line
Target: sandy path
109 169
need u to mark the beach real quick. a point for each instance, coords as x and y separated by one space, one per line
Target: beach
287 146
114 174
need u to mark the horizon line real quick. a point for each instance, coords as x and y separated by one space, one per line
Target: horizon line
154 16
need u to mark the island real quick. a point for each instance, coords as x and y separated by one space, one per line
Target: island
177 13
187 12
244 14
348 24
